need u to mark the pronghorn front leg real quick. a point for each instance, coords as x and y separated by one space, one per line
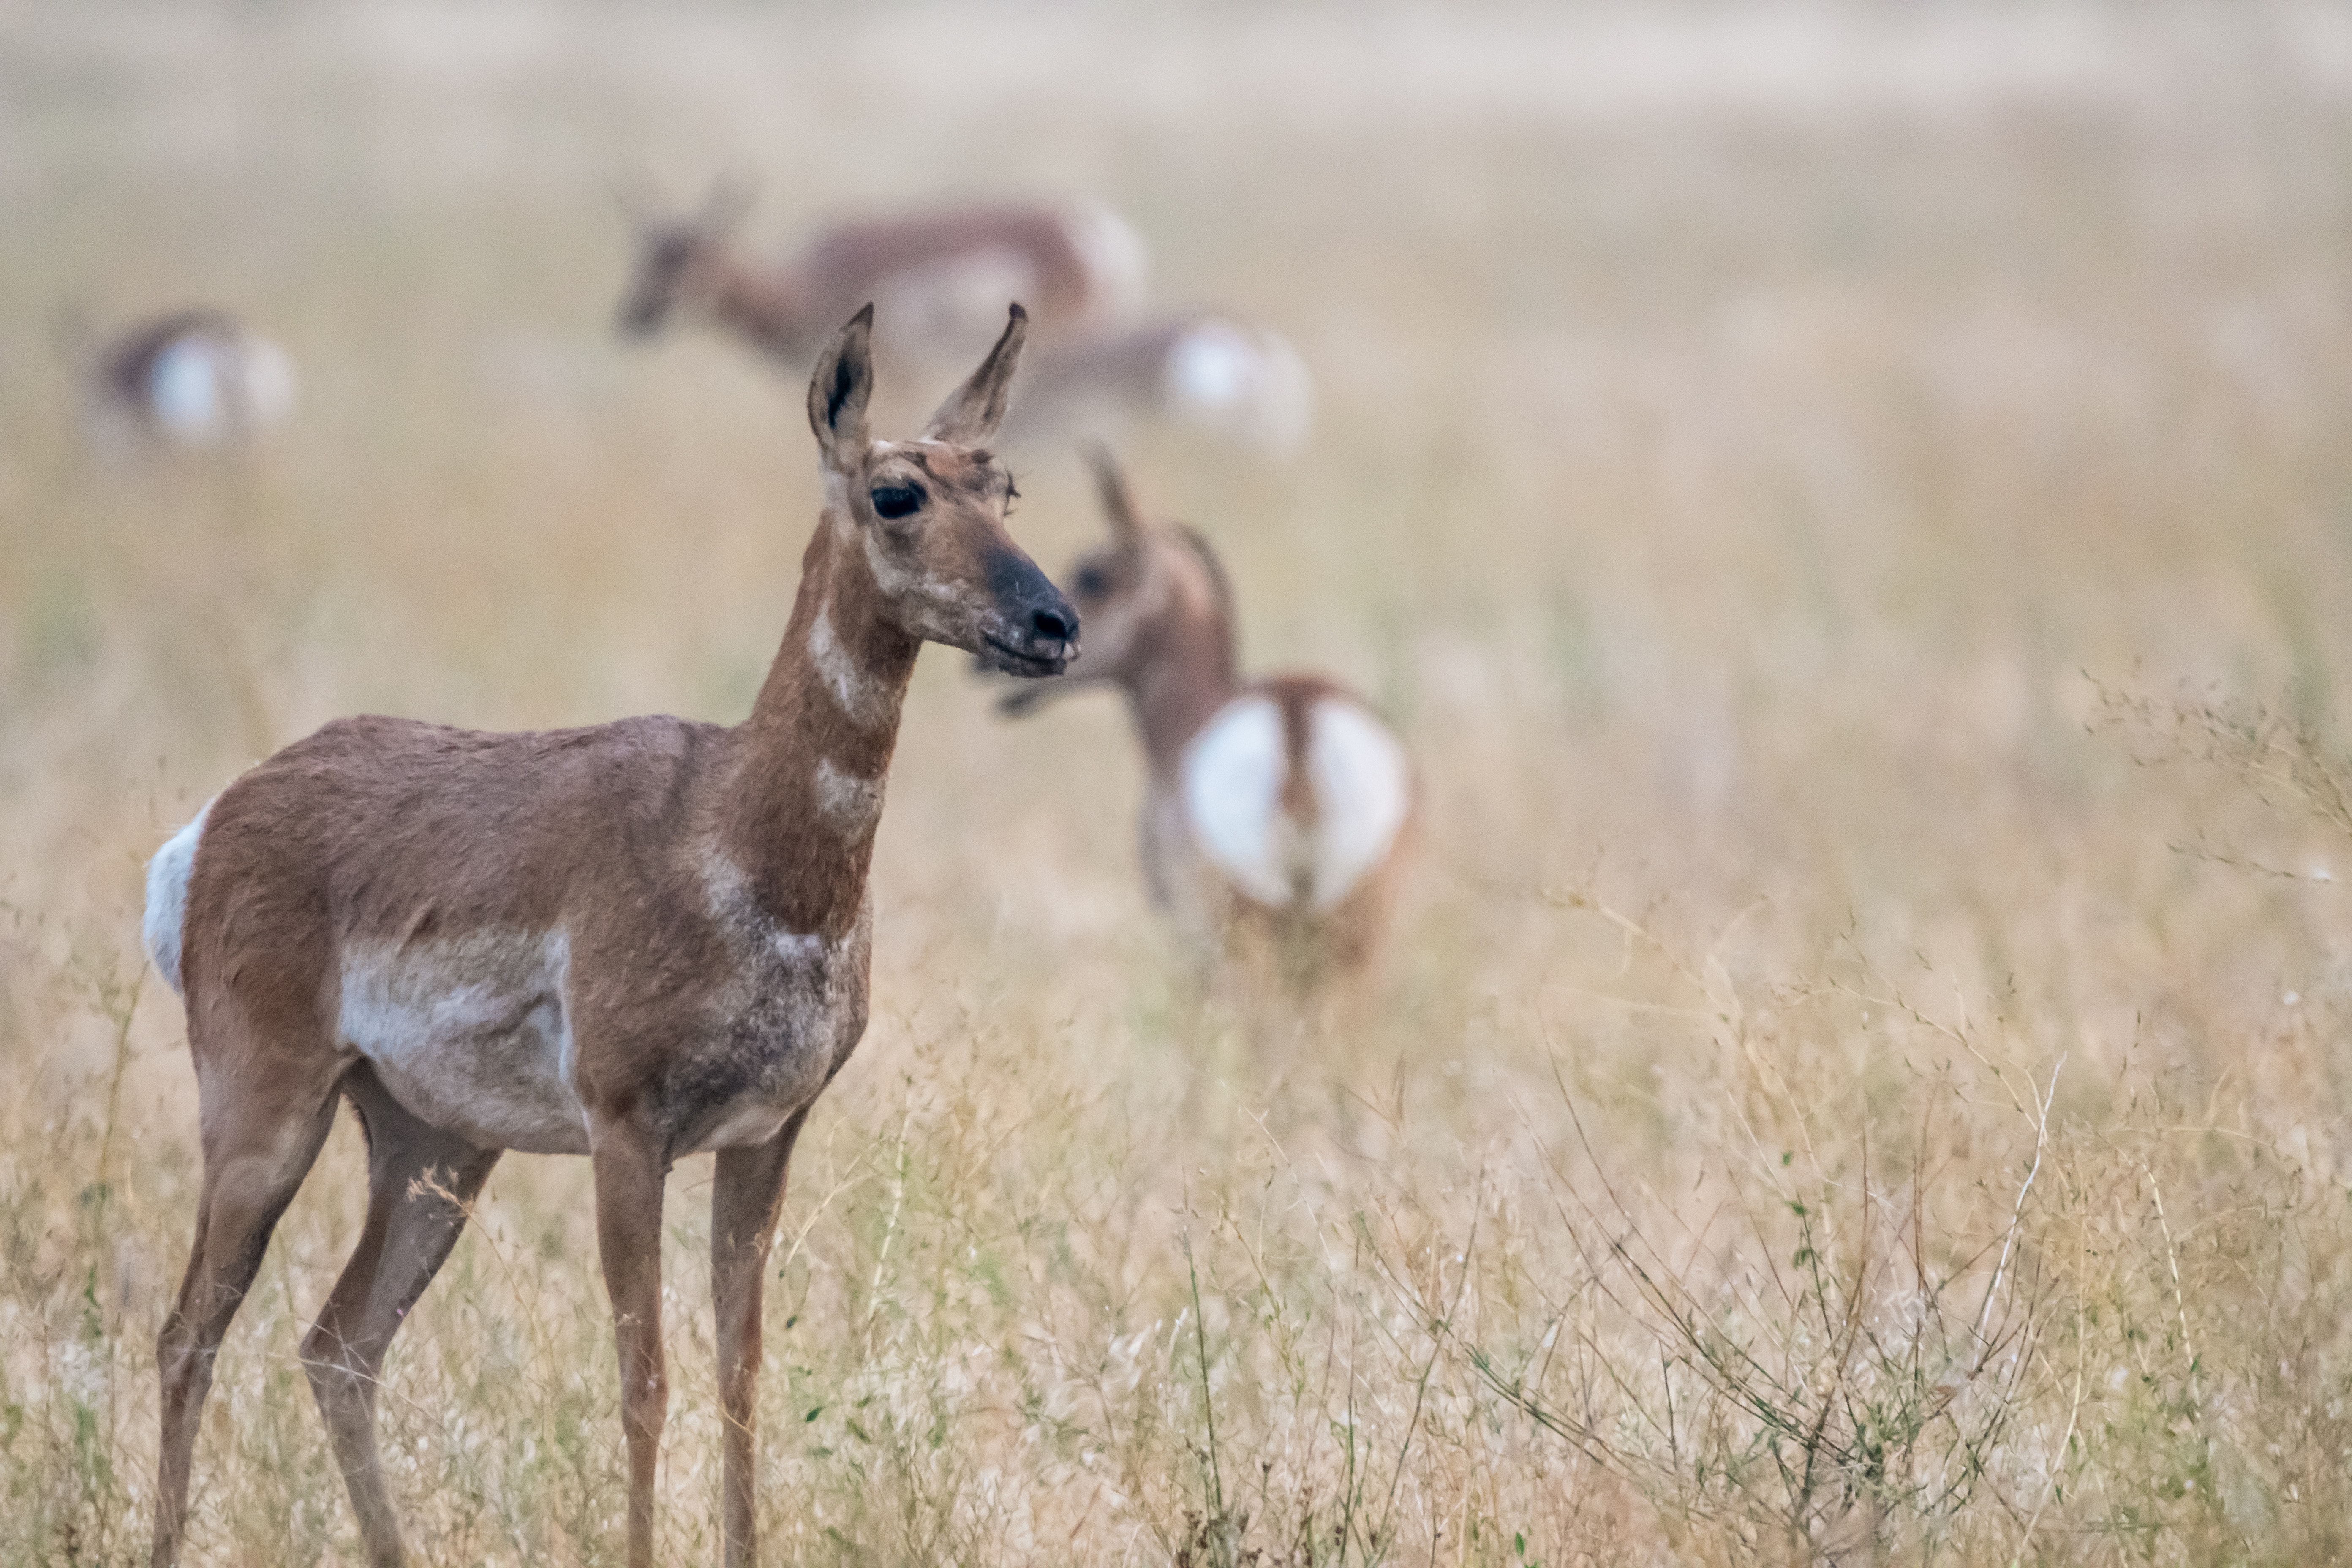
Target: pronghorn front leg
629 1168
744 1201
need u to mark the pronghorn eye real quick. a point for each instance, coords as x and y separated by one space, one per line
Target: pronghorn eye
1093 581
895 502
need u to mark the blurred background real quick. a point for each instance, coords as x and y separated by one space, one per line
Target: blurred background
1848 503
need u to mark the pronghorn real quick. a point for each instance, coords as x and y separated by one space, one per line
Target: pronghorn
1203 368
1275 809
194 378
939 278
633 941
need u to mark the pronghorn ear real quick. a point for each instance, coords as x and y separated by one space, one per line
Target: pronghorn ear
1126 524
974 410
838 391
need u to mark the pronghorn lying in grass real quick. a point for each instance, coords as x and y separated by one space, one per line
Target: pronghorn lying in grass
192 379
1275 809
1206 369
939 278
633 941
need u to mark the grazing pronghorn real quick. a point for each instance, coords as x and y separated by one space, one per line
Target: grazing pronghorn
194 378
1205 368
1275 809
634 942
938 278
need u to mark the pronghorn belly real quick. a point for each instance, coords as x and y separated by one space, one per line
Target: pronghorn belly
1238 789
471 1033
950 305
1363 791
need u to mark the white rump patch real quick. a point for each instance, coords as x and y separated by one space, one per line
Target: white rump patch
472 1033
865 699
186 395
1233 775
202 388
1247 384
850 803
1364 790
166 919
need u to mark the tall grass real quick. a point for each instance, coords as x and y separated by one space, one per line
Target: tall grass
1847 505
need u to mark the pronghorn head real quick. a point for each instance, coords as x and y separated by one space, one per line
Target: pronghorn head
926 516
682 261
1154 593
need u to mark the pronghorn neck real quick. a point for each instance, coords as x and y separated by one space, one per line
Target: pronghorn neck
1187 676
798 816
763 305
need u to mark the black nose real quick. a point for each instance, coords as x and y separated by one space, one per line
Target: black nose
1052 624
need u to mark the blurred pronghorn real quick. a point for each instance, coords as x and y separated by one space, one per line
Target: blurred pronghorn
939 280
1277 809
942 278
194 378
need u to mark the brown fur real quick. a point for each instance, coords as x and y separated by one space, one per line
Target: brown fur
710 889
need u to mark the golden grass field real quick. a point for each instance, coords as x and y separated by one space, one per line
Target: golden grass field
1851 506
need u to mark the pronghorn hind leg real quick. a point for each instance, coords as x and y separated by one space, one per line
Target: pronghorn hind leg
256 1152
629 1169
744 1200
420 1180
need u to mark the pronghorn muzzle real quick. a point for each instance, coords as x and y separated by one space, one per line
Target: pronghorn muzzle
1035 629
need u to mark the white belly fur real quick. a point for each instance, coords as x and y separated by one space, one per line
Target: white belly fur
471 1033
1232 778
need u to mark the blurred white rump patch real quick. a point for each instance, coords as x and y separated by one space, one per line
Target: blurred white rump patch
1363 788
1233 775
1357 774
203 388
1247 384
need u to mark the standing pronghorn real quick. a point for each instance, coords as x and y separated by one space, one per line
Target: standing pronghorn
633 941
939 278
1276 809
194 378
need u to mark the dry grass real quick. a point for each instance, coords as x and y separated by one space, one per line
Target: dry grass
1849 504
